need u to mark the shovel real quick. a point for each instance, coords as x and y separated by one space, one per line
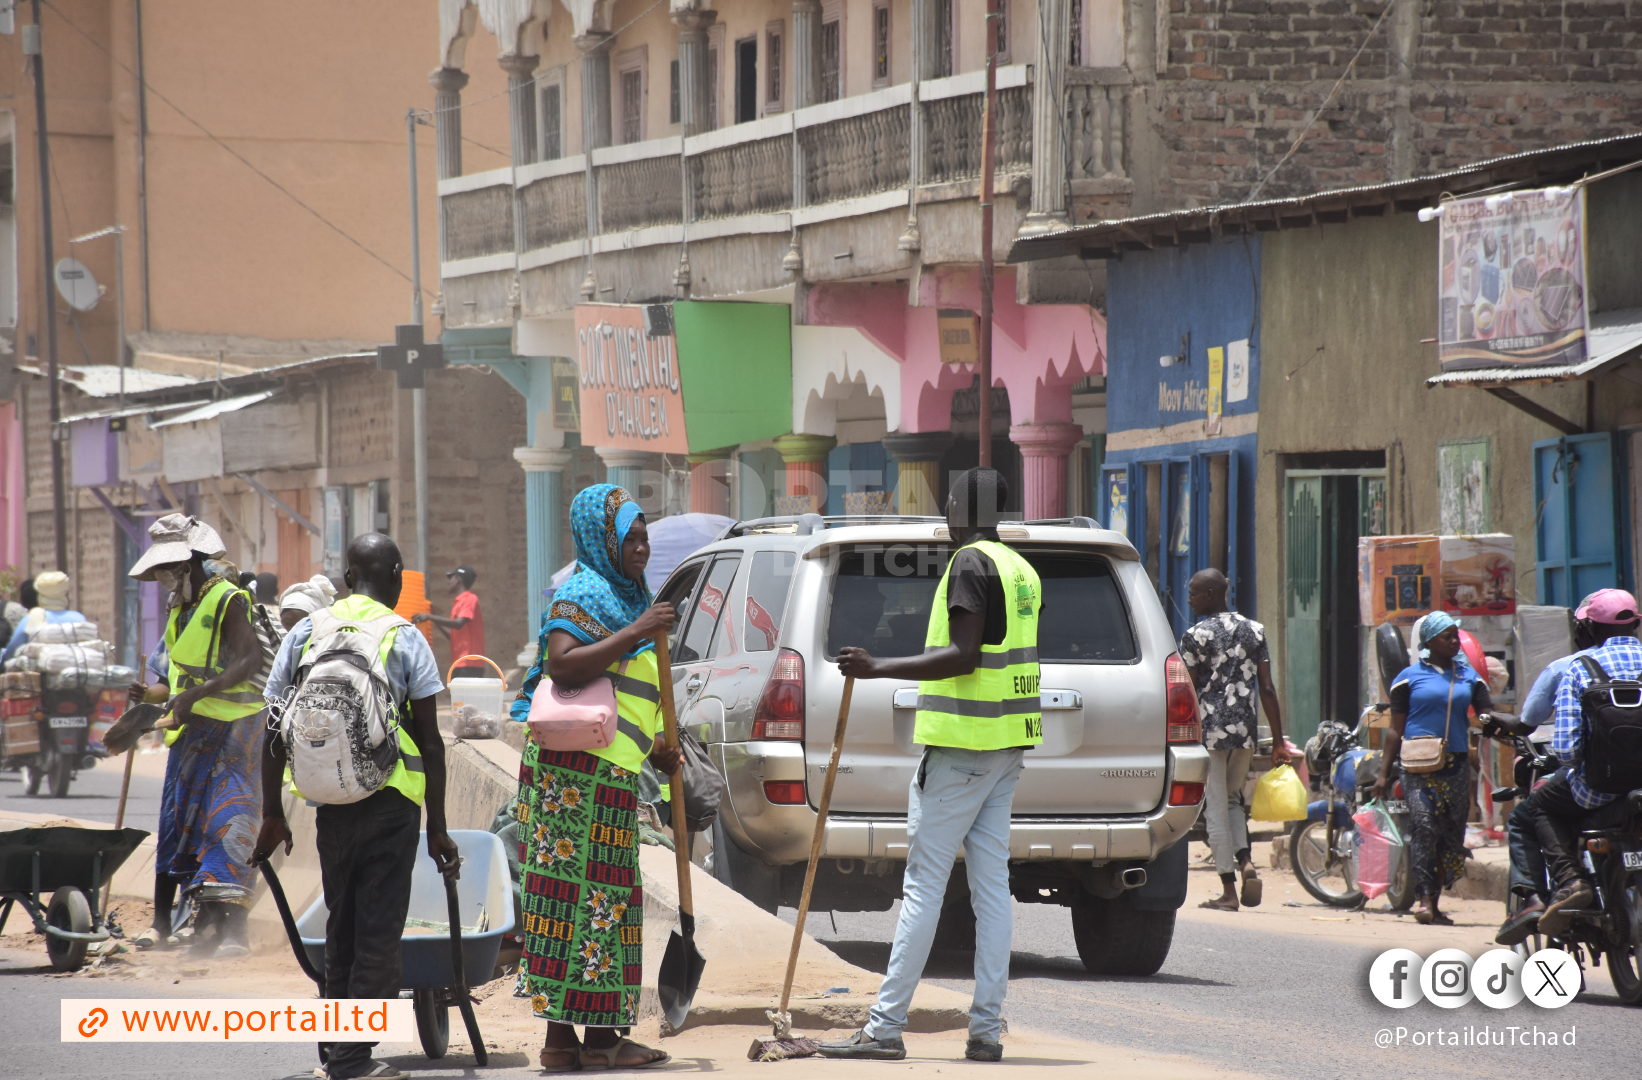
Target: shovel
132 725
460 989
681 965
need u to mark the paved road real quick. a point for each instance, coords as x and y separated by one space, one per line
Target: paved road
1270 1004
93 796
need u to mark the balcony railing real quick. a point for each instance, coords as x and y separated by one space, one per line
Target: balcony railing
858 148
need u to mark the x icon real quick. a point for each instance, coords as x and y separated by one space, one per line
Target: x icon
1550 976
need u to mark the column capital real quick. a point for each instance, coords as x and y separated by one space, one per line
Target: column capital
541 458
694 21
592 42
914 446
448 80
806 7
705 456
1045 440
803 449
616 457
521 65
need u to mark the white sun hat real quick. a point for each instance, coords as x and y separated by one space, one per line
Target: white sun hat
176 538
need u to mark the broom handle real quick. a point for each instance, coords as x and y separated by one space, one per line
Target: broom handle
815 841
119 820
675 782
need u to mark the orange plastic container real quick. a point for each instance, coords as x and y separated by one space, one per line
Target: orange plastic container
413 600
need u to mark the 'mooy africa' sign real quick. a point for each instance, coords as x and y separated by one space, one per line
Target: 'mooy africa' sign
628 366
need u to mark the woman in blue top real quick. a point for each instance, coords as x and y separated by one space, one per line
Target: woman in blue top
1432 697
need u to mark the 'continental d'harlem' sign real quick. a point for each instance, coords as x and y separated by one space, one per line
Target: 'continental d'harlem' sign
628 365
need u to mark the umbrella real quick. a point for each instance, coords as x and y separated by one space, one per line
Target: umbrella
672 540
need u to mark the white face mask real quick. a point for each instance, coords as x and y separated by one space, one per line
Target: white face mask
179 583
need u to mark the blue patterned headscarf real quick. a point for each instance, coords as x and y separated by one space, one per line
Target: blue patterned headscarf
1428 627
597 600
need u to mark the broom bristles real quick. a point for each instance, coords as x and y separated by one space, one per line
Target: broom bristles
767 1049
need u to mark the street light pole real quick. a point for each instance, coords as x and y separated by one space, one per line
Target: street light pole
48 302
989 139
419 396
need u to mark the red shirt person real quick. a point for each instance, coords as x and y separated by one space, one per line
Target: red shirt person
465 626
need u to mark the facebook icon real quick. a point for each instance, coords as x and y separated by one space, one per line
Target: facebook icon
1394 978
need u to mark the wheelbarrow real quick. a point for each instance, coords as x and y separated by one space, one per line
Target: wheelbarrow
484 897
71 864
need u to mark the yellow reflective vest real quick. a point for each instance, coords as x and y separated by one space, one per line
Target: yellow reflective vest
997 705
196 654
638 712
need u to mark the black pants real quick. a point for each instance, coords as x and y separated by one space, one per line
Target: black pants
366 852
1556 818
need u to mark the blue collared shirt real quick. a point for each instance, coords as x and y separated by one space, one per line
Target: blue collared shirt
1621 658
1539 707
1437 701
412 671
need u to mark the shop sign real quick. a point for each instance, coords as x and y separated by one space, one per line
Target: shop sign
960 333
567 411
1511 280
628 377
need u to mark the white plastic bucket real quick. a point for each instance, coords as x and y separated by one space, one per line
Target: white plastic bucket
485 695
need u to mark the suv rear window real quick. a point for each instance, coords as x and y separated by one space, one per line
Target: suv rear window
881 602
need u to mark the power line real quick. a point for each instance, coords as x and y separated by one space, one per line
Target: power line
241 158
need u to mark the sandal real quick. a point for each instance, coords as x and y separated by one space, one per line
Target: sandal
149 938
1219 904
574 1065
1252 889
611 1053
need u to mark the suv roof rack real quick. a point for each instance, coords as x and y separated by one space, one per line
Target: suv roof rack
807 524
1078 522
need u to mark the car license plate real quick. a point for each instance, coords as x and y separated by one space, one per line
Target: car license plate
1633 860
1396 806
68 722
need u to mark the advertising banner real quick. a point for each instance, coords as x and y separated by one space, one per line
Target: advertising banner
627 367
1511 281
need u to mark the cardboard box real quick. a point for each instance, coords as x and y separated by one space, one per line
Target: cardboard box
1479 574
22 735
18 703
1399 578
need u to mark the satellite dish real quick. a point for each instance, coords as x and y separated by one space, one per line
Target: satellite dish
76 285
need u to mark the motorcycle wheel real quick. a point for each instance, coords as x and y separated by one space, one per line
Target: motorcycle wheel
1625 960
32 775
1326 875
1400 896
60 773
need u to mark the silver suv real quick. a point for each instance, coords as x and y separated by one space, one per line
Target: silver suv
1104 803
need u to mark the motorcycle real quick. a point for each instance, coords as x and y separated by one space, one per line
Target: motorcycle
1610 847
1323 845
62 747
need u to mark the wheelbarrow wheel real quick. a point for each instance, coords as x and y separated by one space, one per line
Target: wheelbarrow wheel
432 1023
69 911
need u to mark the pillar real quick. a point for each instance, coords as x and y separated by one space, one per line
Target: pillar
692 69
595 49
634 470
1049 119
917 456
521 105
710 482
447 119
806 459
806 53
1044 450
544 525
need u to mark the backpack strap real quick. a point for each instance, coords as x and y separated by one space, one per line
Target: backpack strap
1593 668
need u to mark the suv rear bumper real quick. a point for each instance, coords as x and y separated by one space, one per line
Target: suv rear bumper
780 835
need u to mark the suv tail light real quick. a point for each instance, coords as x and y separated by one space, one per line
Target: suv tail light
1184 726
780 713
784 792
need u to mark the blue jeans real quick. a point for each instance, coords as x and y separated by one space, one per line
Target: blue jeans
959 799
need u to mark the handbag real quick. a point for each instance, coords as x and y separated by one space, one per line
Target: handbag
574 718
1429 753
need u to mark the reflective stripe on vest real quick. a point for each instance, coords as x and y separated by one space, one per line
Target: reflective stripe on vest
638 706
997 705
196 655
409 775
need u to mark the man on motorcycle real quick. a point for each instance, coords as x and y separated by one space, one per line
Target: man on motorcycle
1559 804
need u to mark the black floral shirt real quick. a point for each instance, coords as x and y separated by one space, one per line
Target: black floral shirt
1223 653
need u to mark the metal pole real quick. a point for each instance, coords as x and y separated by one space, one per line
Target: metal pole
419 397
32 45
989 138
119 302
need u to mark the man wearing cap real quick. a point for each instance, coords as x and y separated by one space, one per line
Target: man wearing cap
1557 807
466 625
214 653
51 589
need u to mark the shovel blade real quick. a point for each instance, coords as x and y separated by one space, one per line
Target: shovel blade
132 725
680 973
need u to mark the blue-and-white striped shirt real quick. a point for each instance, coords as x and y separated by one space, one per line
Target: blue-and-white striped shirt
1621 658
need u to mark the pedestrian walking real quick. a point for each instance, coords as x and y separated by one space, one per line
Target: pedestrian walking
978 712
304 598
51 592
465 626
1430 702
1225 653
367 848
213 653
578 810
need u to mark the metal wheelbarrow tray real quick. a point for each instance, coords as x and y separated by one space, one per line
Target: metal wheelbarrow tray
484 886
72 865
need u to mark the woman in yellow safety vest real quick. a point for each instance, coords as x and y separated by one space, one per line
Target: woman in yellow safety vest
217 790
578 810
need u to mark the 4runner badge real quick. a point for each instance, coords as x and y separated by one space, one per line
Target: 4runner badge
1129 774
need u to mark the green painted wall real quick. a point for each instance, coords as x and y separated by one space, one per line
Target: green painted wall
736 365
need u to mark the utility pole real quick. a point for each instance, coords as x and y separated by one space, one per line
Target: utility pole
419 395
989 153
48 298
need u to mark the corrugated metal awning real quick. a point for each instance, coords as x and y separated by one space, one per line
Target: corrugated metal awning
1615 339
213 409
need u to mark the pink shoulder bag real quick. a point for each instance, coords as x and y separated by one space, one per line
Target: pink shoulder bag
580 718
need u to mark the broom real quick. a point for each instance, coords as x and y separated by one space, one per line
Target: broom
780 1044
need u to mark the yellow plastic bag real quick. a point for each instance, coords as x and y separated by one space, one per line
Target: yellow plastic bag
1279 796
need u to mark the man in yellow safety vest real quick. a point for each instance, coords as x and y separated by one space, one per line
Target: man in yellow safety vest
978 712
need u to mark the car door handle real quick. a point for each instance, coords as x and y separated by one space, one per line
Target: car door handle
693 685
